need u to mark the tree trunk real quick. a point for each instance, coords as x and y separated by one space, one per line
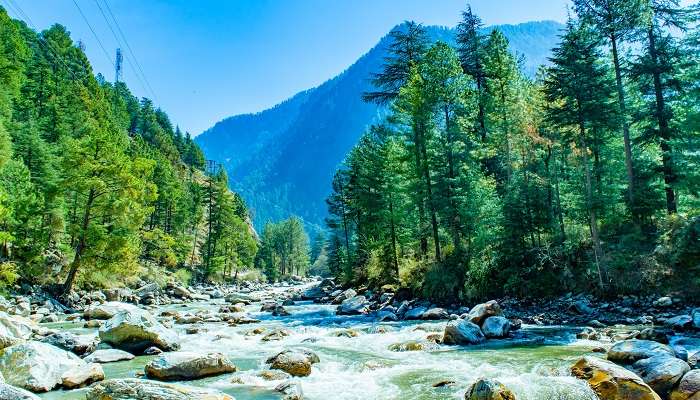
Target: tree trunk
625 125
82 242
429 187
664 130
395 257
421 206
593 219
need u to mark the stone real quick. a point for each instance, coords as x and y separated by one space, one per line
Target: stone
664 302
141 389
137 330
630 351
274 375
496 327
488 389
612 382
296 362
36 366
386 316
462 332
689 387
415 313
108 355
480 312
78 344
347 294
354 306
680 322
661 372
290 390
582 307
696 318
411 345
82 375
187 366
435 314
147 289
280 311
107 310
14 329
276 334
9 392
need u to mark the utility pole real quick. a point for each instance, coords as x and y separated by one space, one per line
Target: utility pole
118 66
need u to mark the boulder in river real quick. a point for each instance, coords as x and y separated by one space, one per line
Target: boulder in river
14 329
346 294
462 331
612 382
187 366
107 310
633 350
696 318
9 392
78 344
488 389
353 306
36 366
104 356
141 389
661 372
679 322
480 312
296 362
415 313
496 327
290 390
435 313
82 375
689 387
137 330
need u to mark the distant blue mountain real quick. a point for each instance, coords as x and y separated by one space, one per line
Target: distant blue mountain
282 160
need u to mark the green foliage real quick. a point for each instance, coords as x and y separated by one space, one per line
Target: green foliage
284 249
483 182
95 183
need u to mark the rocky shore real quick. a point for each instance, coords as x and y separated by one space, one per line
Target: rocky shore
648 348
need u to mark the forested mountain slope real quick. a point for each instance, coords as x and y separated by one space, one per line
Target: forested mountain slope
98 187
282 159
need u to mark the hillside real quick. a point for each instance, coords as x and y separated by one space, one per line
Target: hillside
282 159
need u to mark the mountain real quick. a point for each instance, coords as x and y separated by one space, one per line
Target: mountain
281 160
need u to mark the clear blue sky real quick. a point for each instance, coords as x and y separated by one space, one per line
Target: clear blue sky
207 60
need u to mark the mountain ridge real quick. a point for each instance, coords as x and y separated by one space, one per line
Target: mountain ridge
281 160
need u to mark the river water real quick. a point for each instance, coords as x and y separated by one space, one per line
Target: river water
363 367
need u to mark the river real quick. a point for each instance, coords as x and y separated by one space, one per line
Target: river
363 367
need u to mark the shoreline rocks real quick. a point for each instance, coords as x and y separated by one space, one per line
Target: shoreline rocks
188 366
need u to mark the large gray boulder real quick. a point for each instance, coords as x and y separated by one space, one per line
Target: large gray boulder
82 375
9 392
107 310
353 306
187 366
633 350
696 318
104 356
296 362
488 389
78 344
462 332
496 327
435 313
347 294
612 382
36 366
415 313
14 329
480 312
137 330
689 387
661 372
141 389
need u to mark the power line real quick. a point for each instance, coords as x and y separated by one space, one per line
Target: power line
93 33
41 40
128 47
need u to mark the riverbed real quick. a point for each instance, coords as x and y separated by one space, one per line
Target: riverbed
363 366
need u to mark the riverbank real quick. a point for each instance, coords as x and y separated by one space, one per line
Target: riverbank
308 339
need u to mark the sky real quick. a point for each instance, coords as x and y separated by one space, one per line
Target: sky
205 60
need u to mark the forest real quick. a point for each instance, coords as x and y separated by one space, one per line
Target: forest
483 182
97 187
